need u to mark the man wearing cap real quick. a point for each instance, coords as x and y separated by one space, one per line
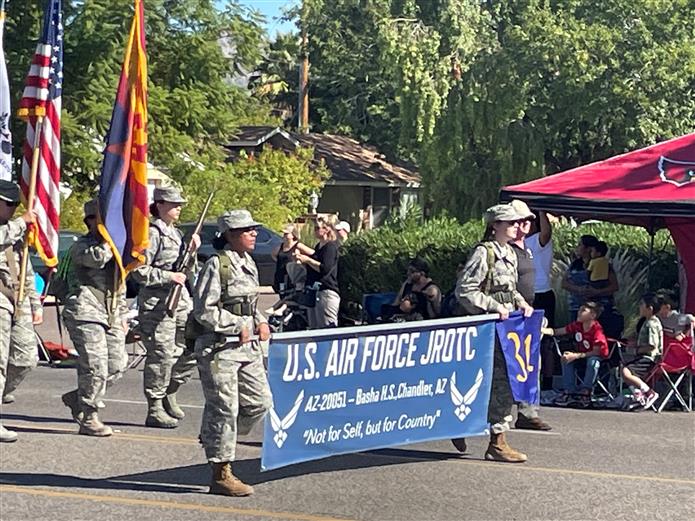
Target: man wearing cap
12 232
528 412
230 361
169 364
94 315
343 231
482 288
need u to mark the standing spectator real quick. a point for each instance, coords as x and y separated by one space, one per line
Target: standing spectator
485 288
288 274
343 231
528 413
322 268
592 346
649 348
540 243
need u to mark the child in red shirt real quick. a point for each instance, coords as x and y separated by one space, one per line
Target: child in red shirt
591 348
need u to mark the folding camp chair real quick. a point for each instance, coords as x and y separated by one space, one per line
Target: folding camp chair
677 363
371 305
606 369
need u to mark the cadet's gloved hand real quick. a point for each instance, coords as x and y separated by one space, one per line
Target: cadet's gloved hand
263 331
504 312
528 310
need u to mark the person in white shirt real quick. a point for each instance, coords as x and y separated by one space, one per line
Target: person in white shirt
540 243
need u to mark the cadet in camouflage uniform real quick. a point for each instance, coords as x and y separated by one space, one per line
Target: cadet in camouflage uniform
23 354
234 381
169 364
484 289
12 233
95 319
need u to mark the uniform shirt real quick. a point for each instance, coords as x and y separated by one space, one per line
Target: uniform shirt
526 271
651 335
95 267
586 340
209 294
471 281
162 254
12 236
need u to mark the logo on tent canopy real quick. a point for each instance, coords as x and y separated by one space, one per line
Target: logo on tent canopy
678 173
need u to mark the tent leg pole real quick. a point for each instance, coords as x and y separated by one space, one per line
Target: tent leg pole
651 256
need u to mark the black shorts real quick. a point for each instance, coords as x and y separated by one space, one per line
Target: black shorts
641 366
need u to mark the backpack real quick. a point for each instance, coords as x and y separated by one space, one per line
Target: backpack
63 279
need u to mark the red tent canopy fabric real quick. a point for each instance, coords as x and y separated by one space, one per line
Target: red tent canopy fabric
653 187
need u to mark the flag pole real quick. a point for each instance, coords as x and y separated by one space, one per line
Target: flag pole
30 206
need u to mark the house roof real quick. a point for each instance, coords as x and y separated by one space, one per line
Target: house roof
349 161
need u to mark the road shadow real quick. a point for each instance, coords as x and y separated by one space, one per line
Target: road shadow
52 419
196 478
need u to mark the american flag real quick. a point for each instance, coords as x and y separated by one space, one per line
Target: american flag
42 98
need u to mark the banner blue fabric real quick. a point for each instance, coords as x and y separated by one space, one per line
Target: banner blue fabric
349 390
521 339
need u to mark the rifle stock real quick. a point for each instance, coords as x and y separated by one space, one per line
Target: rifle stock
174 295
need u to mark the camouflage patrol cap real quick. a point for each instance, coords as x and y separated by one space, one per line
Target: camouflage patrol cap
91 208
168 194
502 212
235 220
9 191
522 208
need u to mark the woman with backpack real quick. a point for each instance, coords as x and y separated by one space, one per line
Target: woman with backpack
168 364
488 284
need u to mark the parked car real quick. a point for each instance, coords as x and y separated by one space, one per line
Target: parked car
66 238
266 241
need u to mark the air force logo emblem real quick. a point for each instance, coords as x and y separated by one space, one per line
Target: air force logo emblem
678 173
281 426
463 401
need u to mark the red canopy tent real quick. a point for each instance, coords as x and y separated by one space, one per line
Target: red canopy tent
653 187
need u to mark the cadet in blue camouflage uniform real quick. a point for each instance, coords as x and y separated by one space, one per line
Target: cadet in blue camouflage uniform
234 381
169 364
12 232
96 321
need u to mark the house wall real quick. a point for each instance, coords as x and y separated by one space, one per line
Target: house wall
343 200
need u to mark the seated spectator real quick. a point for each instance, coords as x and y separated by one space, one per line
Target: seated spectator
418 299
599 266
592 346
676 325
649 348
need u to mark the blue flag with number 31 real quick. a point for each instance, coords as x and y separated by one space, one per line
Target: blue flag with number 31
520 339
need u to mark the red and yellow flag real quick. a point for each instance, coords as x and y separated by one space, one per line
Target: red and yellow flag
123 200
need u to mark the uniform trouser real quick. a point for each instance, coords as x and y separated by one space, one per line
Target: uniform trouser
237 395
499 412
325 313
168 364
102 360
23 352
5 329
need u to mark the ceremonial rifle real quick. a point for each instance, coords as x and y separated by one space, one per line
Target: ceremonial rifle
174 295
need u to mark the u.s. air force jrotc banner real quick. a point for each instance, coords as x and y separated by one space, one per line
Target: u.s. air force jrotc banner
521 339
354 389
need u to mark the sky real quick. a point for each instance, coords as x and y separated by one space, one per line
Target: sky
272 10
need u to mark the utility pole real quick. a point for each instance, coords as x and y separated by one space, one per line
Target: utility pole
303 107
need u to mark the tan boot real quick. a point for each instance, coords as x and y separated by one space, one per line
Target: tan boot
225 483
92 426
498 450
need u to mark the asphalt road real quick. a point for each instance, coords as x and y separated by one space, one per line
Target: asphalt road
593 465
